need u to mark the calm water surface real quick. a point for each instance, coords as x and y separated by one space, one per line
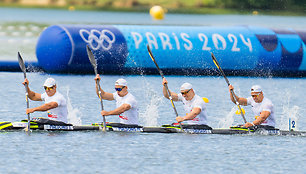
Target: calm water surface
98 152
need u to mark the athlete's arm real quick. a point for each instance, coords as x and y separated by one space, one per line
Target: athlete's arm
117 111
103 94
34 96
189 116
241 100
31 94
165 92
263 116
43 107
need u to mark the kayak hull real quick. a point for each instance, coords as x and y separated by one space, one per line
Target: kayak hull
117 127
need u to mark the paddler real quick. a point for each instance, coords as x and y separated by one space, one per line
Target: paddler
127 107
194 105
55 102
262 108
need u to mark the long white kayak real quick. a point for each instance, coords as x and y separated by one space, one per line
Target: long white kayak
118 127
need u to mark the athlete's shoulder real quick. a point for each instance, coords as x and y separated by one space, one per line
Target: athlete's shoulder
267 101
131 96
59 95
199 99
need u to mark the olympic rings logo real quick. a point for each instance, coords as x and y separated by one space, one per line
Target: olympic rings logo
97 39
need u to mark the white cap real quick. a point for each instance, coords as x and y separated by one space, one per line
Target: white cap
121 82
256 88
186 86
49 82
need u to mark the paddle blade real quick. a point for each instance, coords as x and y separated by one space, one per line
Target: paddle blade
215 60
238 112
92 59
104 129
205 99
21 63
26 129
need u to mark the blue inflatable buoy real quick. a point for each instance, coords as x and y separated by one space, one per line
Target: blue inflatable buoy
177 49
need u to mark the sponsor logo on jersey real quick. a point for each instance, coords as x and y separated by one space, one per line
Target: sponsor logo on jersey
123 117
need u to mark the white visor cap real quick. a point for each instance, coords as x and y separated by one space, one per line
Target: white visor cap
186 86
49 82
121 82
256 88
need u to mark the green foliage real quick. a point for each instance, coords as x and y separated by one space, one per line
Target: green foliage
183 6
262 4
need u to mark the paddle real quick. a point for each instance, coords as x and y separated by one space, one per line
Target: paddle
223 74
23 69
166 86
94 65
238 111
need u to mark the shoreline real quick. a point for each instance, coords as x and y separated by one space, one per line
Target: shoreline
203 10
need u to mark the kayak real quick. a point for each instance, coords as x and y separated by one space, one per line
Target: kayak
118 127
230 131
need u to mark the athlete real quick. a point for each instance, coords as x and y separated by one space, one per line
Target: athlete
262 108
127 108
194 105
55 103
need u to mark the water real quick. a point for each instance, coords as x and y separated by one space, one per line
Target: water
79 152
98 152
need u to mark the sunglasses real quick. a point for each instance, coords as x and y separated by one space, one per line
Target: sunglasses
48 88
185 92
119 89
255 95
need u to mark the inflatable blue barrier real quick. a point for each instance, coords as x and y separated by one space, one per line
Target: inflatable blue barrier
178 49
13 66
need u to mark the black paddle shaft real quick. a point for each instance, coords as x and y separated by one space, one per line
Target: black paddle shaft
166 86
228 83
162 75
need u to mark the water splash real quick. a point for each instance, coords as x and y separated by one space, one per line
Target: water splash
228 120
73 113
150 115
289 113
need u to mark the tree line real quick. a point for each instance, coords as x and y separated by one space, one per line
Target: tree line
171 5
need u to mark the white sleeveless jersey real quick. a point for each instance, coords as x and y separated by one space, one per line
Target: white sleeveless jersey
59 113
265 105
196 102
130 116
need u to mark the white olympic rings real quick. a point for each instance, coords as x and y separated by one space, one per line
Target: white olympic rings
104 39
